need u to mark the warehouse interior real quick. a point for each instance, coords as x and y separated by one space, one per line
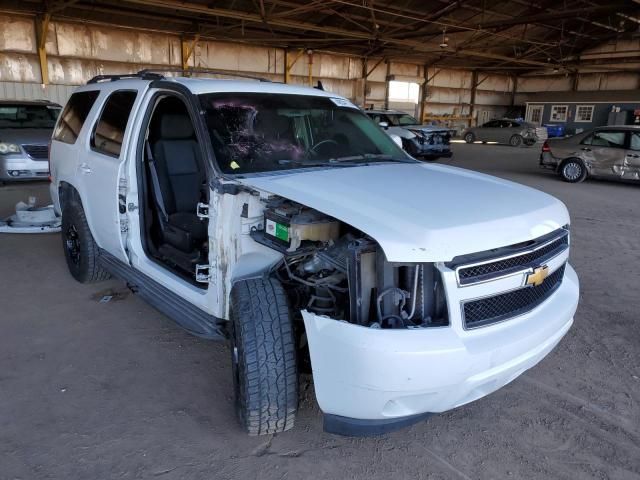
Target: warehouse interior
98 384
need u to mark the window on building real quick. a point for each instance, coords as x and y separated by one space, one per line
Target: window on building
109 130
74 115
584 113
404 92
559 113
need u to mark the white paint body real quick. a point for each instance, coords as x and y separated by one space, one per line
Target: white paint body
416 212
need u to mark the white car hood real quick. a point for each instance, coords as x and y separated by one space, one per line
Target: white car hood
423 213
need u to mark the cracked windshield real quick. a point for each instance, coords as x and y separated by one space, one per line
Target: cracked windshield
254 133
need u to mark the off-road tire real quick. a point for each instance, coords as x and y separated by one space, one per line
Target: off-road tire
84 266
263 357
515 140
469 138
572 170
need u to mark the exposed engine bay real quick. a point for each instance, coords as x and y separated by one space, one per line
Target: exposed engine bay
330 268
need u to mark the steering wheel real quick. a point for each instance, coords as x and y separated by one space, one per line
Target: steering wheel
323 142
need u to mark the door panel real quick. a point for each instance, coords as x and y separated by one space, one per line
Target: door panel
633 152
605 151
100 170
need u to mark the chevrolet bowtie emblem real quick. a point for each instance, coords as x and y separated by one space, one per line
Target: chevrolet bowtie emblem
538 275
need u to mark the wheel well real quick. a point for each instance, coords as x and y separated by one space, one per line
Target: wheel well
68 193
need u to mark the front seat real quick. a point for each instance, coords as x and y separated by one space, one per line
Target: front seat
180 176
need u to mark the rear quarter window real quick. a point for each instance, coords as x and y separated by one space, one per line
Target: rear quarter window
74 115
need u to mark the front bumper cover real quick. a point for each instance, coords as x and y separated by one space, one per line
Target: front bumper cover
26 168
367 377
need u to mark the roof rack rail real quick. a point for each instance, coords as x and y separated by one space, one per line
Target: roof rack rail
143 75
154 71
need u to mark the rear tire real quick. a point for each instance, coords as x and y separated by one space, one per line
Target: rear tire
515 140
80 249
263 357
573 170
469 138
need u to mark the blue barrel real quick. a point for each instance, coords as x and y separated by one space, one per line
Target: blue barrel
554 130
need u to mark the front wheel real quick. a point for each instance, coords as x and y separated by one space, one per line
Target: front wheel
573 171
263 357
80 249
469 138
530 141
515 140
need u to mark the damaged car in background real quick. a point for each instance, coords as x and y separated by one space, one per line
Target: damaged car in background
426 142
604 152
282 219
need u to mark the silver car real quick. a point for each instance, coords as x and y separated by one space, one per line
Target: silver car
25 131
512 132
610 152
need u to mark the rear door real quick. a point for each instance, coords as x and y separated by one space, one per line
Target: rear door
489 131
632 158
605 151
100 166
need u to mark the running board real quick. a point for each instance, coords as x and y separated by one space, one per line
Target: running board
185 314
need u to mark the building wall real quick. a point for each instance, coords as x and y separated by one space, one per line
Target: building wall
78 51
599 118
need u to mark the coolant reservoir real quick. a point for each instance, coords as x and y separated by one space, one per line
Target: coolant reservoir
291 224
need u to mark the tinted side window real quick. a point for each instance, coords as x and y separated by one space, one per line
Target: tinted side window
74 115
608 139
492 124
634 144
109 130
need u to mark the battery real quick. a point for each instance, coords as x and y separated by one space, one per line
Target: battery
277 227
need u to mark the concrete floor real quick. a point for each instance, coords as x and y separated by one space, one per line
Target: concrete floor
93 390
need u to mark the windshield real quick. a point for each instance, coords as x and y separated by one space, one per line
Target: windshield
258 132
28 116
402 120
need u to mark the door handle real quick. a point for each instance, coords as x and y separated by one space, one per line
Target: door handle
85 168
586 149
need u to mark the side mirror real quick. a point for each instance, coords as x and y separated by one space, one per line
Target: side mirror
384 125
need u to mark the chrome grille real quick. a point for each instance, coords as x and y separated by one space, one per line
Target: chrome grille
489 310
484 271
37 152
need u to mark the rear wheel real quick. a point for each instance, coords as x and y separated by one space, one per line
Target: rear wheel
80 249
573 171
263 357
469 138
515 140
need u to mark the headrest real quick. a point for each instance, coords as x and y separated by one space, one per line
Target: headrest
271 124
175 126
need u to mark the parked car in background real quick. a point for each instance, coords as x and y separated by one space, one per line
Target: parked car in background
512 132
25 131
427 142
610 152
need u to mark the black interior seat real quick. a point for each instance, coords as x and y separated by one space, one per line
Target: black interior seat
181 176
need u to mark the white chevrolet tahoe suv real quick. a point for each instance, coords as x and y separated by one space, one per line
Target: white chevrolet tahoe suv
283 219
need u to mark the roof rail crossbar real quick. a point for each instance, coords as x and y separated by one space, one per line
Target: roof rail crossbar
143 75
154 71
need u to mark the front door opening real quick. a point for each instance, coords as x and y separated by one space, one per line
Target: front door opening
174 181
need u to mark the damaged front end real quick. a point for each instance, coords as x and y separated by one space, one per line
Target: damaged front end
330 268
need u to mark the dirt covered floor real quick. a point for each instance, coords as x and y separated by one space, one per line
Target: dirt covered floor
92 390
